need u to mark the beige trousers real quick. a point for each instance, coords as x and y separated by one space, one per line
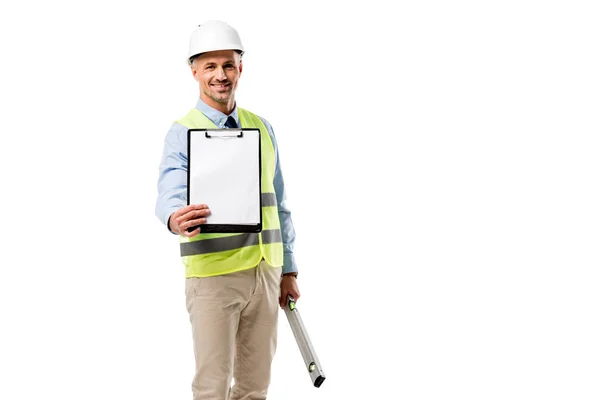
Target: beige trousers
234 327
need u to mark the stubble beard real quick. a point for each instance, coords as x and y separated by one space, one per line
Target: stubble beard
223 98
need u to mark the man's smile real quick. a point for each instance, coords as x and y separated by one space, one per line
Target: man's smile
221 86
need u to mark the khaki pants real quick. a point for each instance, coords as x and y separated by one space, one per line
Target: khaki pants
234 326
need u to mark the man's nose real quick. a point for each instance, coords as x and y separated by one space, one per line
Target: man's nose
220 73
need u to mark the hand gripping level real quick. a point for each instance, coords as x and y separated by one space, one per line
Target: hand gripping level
308 352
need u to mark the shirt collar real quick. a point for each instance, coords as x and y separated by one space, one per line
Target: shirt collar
216 116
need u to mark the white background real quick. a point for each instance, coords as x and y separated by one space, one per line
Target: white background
441 161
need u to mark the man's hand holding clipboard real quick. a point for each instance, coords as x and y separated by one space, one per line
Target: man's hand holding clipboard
188 217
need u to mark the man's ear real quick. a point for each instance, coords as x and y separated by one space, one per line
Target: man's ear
241 67
194 71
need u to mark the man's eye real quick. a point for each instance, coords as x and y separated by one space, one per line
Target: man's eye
210 67
229 66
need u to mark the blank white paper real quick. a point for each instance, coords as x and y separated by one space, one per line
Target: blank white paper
224 174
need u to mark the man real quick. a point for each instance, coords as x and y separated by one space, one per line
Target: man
233 283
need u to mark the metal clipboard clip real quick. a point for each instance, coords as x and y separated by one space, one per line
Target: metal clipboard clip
225 134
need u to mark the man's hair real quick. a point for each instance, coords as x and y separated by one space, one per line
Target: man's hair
192 58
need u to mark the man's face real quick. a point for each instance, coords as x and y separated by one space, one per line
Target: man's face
217 72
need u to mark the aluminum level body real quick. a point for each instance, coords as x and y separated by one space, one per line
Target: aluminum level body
309 355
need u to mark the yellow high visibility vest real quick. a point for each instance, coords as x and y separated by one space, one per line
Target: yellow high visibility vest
209 254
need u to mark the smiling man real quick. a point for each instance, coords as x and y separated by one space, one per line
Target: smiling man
234 283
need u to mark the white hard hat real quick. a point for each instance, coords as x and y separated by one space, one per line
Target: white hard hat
213 36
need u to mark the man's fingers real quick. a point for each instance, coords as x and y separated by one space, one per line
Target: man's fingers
187 217
190 234
188 208
202 214
191 218
191 214
281 296
194 222
283 299
295 295
183 210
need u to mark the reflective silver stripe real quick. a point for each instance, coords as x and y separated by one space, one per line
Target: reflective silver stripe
218 244
268 199
271 236
228 243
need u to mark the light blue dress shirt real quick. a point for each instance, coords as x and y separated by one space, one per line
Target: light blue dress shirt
172 179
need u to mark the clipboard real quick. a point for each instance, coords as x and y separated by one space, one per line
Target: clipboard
224 172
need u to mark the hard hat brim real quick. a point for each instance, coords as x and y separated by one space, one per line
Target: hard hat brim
234 48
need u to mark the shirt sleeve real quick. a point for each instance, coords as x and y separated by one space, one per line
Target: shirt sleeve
285 217
172 175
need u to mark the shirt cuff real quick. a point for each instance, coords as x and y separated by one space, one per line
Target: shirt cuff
289 264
